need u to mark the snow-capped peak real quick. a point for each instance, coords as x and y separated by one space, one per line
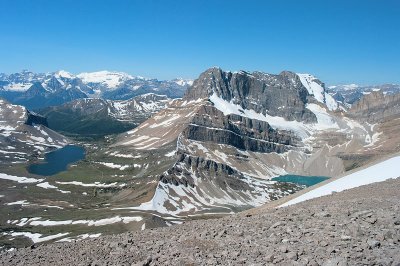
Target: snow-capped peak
315 88
111 79
346 87
183 82
63 74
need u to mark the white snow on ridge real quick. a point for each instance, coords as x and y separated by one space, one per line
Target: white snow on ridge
111 79
376 173
183 82
64 74
345 87
18 87
331 103
301 129
313 88
275 121
325 121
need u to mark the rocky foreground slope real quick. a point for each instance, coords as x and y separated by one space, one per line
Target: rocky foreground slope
360 226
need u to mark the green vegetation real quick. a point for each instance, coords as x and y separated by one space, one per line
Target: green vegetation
84 126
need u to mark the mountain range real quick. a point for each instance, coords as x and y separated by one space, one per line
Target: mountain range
349 94
212 152
39 90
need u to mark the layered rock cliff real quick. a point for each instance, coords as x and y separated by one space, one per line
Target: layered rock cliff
278 95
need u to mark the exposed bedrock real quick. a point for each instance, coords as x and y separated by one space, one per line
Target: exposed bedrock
281 95
210 124
376 107
189 167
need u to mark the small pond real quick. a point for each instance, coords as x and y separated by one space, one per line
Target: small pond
58 160
300 180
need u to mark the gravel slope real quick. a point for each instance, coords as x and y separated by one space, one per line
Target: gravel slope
360 226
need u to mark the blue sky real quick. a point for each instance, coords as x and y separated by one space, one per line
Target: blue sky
338 41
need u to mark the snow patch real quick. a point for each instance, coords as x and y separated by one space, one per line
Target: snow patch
20 179
376 173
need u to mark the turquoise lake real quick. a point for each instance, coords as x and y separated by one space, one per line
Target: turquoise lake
58 160
300 180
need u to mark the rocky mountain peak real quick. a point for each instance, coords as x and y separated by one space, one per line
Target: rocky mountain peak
35 90
54 84
277 95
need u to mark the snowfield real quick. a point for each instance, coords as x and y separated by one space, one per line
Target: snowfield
37 221
376 173
111 79
20 179
316 89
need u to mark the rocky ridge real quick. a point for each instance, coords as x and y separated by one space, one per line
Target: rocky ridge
360 226
24 135
99 117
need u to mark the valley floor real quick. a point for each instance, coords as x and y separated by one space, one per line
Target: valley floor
360 226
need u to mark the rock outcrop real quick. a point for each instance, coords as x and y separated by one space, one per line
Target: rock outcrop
210 125
278 95
376 107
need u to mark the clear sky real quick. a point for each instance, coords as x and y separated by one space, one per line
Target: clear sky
338 41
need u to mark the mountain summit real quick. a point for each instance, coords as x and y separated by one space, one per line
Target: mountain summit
233 131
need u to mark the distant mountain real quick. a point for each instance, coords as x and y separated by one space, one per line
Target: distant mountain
349 94
95 117
24 134
39 90
376 106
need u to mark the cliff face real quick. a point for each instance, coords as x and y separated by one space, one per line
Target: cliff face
376 107
210 125
278 95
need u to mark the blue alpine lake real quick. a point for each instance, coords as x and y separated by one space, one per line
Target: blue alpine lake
300 180
58 160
